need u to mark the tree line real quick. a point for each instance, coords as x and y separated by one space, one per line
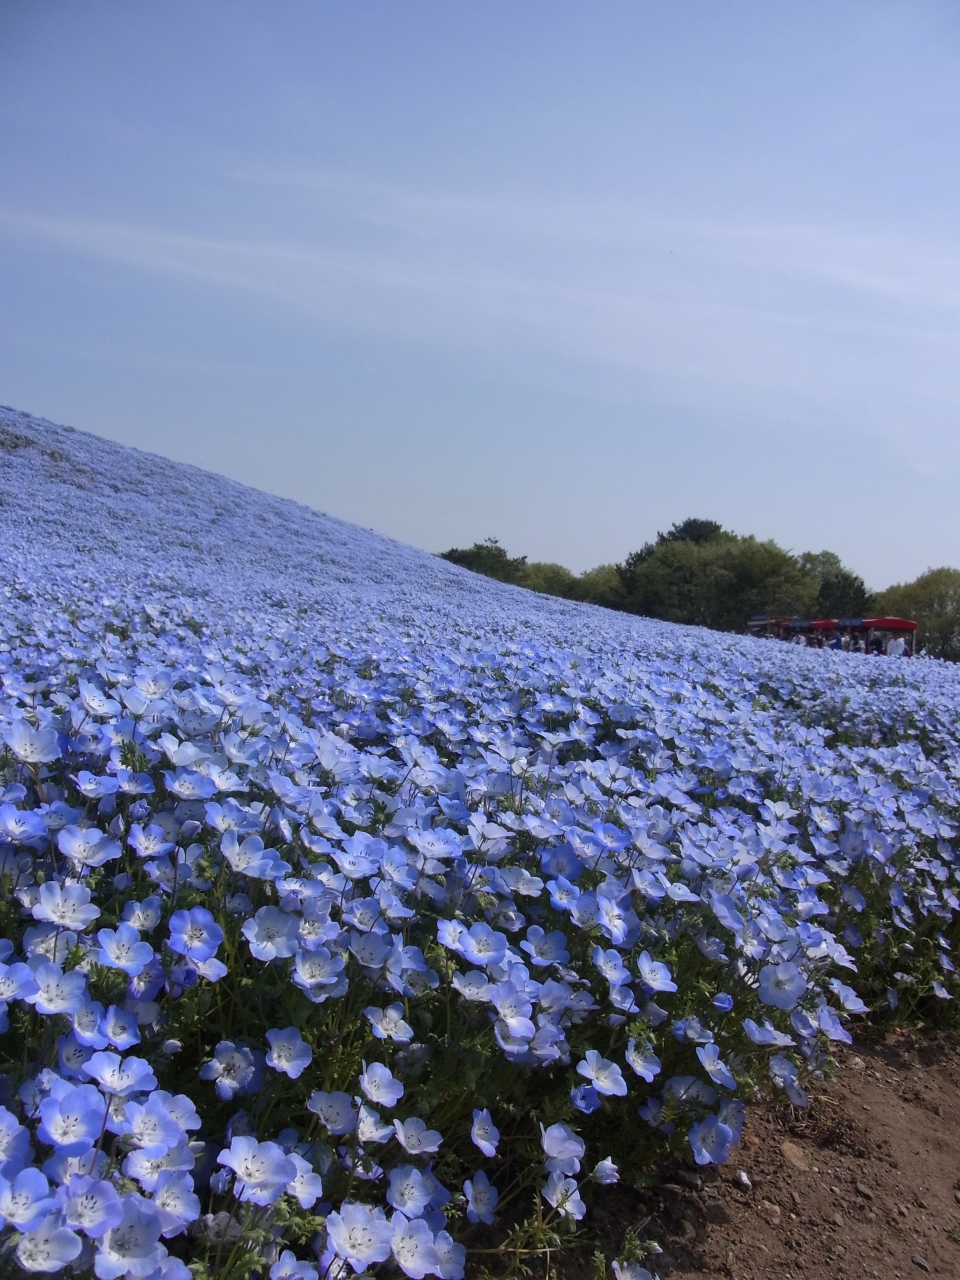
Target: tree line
702 574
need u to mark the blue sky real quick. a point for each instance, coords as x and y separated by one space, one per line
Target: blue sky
558 272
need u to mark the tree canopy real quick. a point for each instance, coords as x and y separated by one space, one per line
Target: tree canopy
700 573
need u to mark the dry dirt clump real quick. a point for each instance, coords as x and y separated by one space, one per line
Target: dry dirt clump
865 1183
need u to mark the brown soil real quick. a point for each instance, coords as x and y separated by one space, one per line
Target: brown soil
865 1183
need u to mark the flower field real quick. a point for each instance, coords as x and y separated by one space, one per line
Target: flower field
362 915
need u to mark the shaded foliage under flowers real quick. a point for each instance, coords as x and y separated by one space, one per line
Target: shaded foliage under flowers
350 929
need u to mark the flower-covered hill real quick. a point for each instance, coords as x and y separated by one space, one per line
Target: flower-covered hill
360 911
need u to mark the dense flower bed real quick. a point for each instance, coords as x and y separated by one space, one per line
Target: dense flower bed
358 913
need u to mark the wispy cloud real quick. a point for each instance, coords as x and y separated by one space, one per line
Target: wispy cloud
804 316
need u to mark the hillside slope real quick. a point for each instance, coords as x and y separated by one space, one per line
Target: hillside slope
295 820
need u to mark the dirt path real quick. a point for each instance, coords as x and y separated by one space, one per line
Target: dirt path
865 1184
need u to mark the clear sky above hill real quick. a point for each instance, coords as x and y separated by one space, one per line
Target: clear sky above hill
558 272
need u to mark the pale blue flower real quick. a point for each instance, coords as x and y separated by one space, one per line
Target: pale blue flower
288 1268
407 1190
484 1133
90 1205
654 974
121 1076
234 1069
482 1197
67 906
50 1247
175 1201
415 1138
335 1111
121 948
782 985
72 1119
289 1052
194 934
306 1186
605 1076
262 1169
380 1086
413 1248
710 1140
360 1234
25 1200
132 1248
564 1195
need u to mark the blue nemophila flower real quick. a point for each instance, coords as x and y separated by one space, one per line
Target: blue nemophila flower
847 996
563 1149
610 964
605 1076
335 1111
132 1247
151 1124
379 1085
58 992
782 985
262 1169
413 1247
144 916
482 1197
22 826
175 1201
90 1205
149 842
17 982
287 1267
710 1140
72 1117
49 1247
120 1027
67 906
482 945
146 1164
484 1133
451 1257
194 934
25 1200
415 1138
120 1076
606 1173
32 745
289 1052
272 934
784 1074
630 1271
408 1191
723 1002
14 1144
654 974
234 1069
642 1060
388 1024
121 948
718 1072
585 1098
767 1034
306 1186
563 1195
87 846
360 1234
545 948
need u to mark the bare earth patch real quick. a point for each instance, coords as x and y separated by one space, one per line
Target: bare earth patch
864 1184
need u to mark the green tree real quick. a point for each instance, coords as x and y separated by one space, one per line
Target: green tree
720 580
547 578
490 559
933 602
